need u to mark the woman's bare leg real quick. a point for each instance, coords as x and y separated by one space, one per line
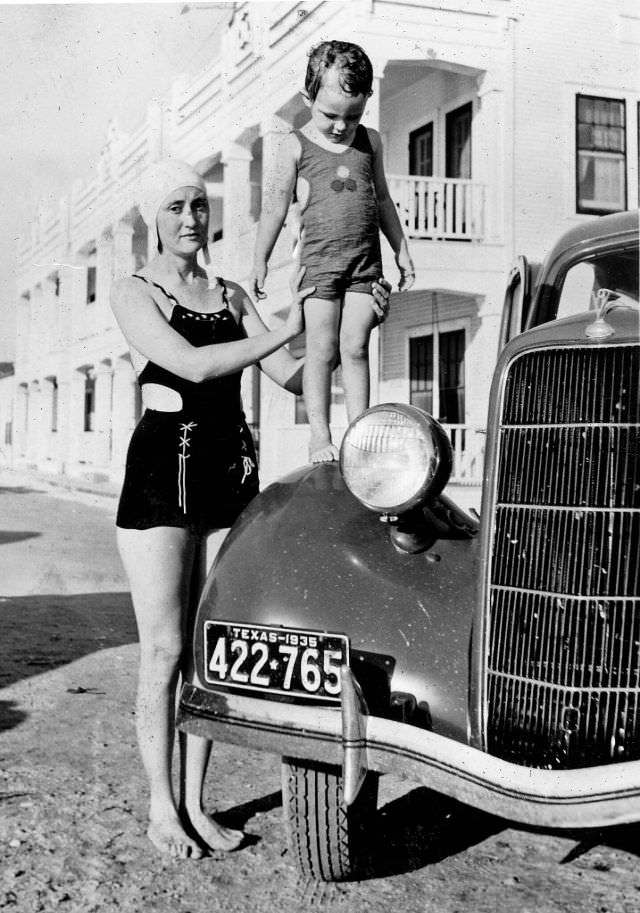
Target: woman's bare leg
158 563
358 319
322 319
196 750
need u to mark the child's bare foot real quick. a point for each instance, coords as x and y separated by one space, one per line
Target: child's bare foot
324 453
214 835
169 836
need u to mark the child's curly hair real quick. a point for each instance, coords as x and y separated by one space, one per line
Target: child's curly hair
355 70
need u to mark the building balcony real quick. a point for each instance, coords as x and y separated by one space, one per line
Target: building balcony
439 208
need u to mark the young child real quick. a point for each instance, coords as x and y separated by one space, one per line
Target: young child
333 168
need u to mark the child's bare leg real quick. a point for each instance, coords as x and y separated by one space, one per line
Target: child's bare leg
358 319
322 319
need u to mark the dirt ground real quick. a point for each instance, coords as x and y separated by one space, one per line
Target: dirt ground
72 794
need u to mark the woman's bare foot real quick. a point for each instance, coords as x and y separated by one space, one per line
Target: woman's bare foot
325 452
169 836
214 835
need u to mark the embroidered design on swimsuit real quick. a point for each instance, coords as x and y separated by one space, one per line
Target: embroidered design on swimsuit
183 456
343 181
247 468
248 463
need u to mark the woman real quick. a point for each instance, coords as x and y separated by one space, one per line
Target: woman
191 468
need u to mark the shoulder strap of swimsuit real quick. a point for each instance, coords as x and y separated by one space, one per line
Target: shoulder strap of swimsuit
225 297
157 285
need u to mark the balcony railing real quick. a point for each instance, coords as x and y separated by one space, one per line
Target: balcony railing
467 443
439 208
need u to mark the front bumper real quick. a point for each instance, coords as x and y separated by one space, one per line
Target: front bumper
349 737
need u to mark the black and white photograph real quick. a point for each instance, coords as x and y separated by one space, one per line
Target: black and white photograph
320 456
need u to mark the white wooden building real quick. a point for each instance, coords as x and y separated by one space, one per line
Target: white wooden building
503 123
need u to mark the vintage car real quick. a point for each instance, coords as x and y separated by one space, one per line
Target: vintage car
358 622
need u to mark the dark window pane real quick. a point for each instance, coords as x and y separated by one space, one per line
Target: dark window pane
91 284
451 377
89 402
421 372
421 151
458 142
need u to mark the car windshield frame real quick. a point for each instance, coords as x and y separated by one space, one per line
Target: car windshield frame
548 292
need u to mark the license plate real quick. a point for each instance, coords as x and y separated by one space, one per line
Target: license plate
274 660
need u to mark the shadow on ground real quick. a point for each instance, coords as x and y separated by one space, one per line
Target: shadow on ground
17 490
623 837
7 536
40 633
422 828
10 715
240 815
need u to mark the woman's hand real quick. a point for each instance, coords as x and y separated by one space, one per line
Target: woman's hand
295 318
381 292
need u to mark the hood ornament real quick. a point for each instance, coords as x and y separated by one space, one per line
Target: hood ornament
600 329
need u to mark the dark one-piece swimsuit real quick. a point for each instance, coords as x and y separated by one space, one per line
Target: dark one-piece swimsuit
195 468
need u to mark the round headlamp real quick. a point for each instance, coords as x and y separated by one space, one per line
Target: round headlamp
394 456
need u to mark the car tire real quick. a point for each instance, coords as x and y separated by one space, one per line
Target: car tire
328 840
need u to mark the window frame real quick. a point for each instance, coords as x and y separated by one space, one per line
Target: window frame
444 326
624 156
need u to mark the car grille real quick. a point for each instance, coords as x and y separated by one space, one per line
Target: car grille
563 671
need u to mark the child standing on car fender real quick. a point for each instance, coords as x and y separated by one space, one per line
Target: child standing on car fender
334 167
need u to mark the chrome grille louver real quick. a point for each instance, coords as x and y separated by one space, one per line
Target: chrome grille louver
563 623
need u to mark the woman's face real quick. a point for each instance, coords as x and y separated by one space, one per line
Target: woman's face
183 221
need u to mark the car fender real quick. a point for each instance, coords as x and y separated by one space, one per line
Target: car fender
307 554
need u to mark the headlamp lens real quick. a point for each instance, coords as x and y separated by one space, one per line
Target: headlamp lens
391 455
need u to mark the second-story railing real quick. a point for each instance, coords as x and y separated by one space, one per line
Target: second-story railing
467 444
439 208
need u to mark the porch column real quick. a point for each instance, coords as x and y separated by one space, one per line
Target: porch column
21 420
76 286
50 314
492 154
34 430
104 257
102 415
49 409
123 410
23 323
76 416
63 433
37 326
122 250
238 248
271 130
66 299
371 116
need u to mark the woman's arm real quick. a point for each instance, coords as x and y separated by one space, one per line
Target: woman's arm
147 331
278 183
280 366
388 216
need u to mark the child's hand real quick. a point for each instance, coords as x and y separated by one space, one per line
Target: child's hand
295 318
380 290
256 281
407 271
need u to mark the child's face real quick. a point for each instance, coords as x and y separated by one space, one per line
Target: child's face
334 114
